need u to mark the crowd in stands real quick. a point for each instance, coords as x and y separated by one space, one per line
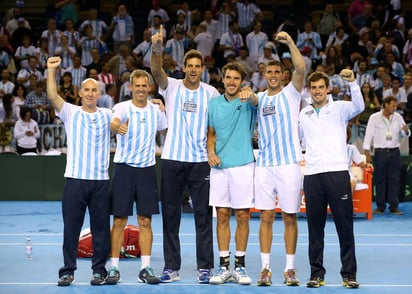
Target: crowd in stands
371 37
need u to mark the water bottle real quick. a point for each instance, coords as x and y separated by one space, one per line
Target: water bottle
29 248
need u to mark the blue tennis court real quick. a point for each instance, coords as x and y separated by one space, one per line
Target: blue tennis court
384 253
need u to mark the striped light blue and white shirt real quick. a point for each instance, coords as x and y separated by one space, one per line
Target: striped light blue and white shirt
137 147
176 49
187 116
88 142
278 128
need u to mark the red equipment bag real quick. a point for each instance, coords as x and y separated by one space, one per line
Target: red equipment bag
130 248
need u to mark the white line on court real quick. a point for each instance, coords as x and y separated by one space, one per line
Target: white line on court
193 244
178 284
193 234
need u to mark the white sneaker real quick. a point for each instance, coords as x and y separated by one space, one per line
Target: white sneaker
221 276
241 277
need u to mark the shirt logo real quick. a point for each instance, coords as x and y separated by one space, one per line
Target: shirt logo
309 113
269 110
189 107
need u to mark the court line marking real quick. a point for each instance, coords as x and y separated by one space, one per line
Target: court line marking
192 244
193 234
178 284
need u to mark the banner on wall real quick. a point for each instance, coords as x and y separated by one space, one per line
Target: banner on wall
53 137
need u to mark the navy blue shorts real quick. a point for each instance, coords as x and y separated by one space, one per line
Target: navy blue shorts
134 184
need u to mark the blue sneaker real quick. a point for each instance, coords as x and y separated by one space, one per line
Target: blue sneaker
204 275
169 275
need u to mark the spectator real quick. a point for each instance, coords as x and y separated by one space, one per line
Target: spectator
52 34
224 16
356 14
16 39
13 23
66 52
23 52
247 63
67 10
157 10
361 73
93 74
19 95
407 51
175 47
40 105
118 62
108 100
256 41
5 84
87 43
96 61
333 56
122 28
180 23
125 93
78 71
155 28
232 41
184 10
339 88
105 75
42 54
170 67
407 83
397 69
247 11
309 38
26 132
354 158
143 51
397 92
384 47
327 23
258 82
210 23
371 101
386 85
72 34
204 41
24 74
339 40
216 80
99 27
383 132
67 90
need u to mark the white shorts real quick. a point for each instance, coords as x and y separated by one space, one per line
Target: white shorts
232 187
282 183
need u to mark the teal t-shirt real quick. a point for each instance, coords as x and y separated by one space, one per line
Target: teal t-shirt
234 123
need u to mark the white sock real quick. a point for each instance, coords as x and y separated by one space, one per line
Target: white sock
145 259
224 253
290 262
240 253
114 261
265 259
